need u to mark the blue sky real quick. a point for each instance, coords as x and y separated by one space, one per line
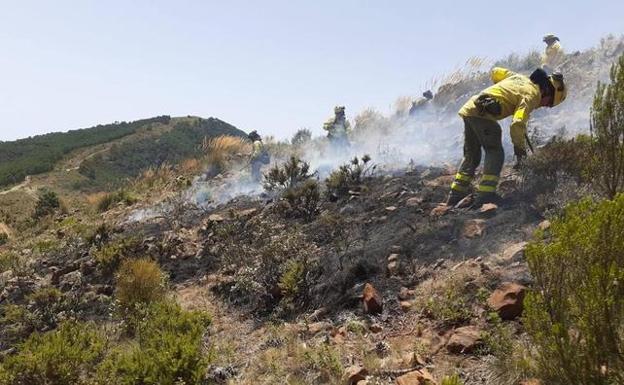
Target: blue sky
274 66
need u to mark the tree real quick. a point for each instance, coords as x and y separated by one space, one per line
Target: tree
607 127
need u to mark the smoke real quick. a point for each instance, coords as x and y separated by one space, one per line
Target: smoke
433 136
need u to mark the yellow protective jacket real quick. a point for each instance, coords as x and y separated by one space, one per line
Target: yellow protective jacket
258 148
553 55
518 97
337 128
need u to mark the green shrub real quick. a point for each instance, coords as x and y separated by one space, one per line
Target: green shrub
47 203
326 361
139 282
167 351
447 301
451 380
110 255
300 193
607 126
10 261
111 199
575 315
66 356
349 177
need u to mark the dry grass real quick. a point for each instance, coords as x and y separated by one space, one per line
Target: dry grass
155 177
223 148
139 281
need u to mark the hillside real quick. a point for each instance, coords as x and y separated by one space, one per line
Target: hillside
339 267
106 156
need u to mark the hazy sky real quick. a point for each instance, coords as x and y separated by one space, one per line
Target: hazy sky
274 66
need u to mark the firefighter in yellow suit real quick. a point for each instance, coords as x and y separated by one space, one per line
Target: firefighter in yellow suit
511 95
553 53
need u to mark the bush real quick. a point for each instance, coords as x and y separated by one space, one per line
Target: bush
219 150
299 191
301 137
62 357
110 255
4 238
47 203
447 301
575 315
607 126
139 282
451 380
168 349
349 177
119 196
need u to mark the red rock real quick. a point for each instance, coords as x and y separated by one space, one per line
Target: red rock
473 228
355 373
417 377
507 300
464 340
373 302
439 210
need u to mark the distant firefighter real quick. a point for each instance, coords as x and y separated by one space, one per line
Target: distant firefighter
259 156
420 103
337 128
553 53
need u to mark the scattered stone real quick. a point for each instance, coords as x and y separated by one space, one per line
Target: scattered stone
440 210
515 252
417 377
372 300
317 327
413 201
544 225
465 339
393 268
355 373
70 280
405 294
532 381
438 264
473 228
393 257
488 209
391 208
375 328
507 300
215 218
411 359
405 305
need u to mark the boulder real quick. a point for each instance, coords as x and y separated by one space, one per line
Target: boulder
416 377
372 300
473 228
507 300
355 373
465 339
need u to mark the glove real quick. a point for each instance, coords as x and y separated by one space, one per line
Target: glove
520 154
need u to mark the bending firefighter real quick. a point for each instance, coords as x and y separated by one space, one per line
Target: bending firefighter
337 128
259 156
511 95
